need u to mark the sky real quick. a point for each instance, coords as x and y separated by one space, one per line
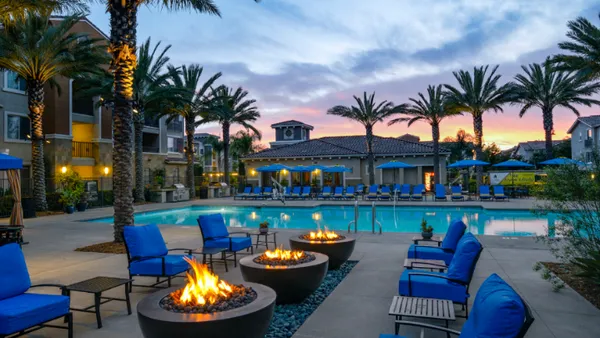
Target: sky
298 58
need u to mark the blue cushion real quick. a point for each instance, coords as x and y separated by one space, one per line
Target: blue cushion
430 252
463 263
14 277
431 287
29 309
385 335
144 241
213 226
497 312
456 230
237 243
174 264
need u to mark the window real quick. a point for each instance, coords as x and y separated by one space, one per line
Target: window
589 134
13 82
174 145
18 127
580 136
288 134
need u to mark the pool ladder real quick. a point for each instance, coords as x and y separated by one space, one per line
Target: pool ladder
374 220
355 222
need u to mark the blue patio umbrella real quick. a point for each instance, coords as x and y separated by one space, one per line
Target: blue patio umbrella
513 164
394 165
337 169
562 161
300 169
8 162
273 168
468 163
317 167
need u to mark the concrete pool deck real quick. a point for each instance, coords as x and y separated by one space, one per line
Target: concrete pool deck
357 308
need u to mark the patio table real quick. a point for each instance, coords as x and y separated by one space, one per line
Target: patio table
427 308
429 264
435 239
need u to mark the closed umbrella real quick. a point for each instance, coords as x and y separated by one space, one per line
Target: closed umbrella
513 164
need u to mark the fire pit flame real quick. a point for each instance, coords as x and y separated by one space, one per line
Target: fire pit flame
203 287
323 235
281 254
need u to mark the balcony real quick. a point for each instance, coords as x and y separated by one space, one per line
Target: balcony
82 149
588 143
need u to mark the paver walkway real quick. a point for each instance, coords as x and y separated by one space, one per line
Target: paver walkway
356 309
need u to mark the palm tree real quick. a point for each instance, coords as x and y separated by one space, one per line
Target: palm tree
545 87
368 113
13 10
243 144
584 49
229 107
431 110
479 94
217 149
39 51
187 81
461 146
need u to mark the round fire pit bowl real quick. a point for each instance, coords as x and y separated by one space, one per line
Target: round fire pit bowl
338 251
249 321
292 283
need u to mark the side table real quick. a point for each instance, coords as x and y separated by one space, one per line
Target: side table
435 239
210 252
264 241
417 307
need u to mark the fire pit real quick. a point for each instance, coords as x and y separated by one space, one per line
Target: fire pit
337 247
294 275
207 307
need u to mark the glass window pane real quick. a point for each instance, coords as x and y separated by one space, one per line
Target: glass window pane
13 81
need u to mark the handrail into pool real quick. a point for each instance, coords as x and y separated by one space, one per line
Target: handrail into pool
374 220
355 222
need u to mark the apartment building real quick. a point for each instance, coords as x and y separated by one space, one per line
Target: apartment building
585 137
79 133
204 152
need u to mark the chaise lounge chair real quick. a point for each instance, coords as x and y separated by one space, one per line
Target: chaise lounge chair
22 312
445 252
148 256
440 193
267 193
457 193
404 193
499 193
306 191
256 193
396 189
215 235
484 193
296 191
385 194
287 192
373 192
498 311
451 285
326 193
360 189
417 194
350 193
338 193
244 194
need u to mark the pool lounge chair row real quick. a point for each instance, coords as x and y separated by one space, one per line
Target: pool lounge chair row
484 193
457 193
384 193
255 193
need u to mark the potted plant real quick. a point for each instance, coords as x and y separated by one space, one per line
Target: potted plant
68 198
71 190
263 227
426 230
83 201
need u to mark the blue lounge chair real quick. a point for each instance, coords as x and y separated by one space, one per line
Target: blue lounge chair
350 193
215 235
296 191
396 188
417 194
457 193
499 193
306 191
385 194
326 193
244 194
287 192
22 312
404 193
267 193
453 284
256 193
445 252
360 189
373 192
440 192
498 311
148 256
338 193
484 193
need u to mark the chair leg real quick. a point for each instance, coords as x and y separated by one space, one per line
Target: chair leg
252 251
69 319
127 301
169 281
97 308
235 259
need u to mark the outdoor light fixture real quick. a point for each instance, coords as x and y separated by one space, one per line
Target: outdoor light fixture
253 172
63 169
106 170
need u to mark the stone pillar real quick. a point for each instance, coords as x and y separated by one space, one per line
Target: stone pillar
401 175
420 175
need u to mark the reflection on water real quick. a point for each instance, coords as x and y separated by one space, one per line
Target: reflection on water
402 219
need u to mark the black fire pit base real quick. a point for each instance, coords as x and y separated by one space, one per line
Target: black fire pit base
250 321
337 251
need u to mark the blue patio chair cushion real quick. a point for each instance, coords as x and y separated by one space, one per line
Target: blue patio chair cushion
440 191
456 230
29 309
431 287
14 277
497 312
430 252
144 241
213 226
484 190
174 264
462 264
350 190
237 243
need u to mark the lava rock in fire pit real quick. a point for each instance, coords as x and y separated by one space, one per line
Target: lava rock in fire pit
264 260
239 297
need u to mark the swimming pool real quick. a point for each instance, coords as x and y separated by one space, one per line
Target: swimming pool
403 219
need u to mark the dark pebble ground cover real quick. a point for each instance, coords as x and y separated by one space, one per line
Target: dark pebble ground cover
289 317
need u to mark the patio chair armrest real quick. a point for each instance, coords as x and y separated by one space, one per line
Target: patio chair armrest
63 288
182 249
435 276
240 232
427 326
428 263
415 246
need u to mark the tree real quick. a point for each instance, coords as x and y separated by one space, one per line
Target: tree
493 154
39 51
217 149
461 146
583 49
431 110
562 149
478 94
228 107
187 80
14 10
368 113
243 144
545 87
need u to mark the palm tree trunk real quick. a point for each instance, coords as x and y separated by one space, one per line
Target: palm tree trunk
435 133
478 129
122 46
226 151
138 126
548 127
35 97
370 157
189 154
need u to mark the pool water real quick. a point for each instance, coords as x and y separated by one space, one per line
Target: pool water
400 219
